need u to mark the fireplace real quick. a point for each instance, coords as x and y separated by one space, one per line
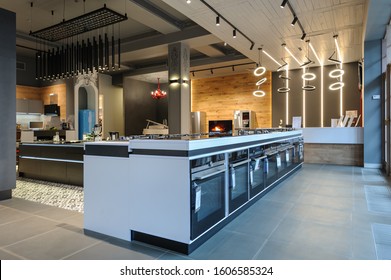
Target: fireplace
220 127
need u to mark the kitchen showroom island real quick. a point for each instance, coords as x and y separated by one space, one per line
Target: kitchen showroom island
177 193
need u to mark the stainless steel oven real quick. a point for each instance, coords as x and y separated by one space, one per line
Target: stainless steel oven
271 165
238 179
257 170
207 193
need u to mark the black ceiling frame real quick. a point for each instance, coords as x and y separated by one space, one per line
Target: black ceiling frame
87 22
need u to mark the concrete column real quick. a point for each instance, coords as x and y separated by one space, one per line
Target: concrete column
179 88
7 103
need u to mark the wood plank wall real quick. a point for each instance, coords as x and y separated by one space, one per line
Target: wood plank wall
219 97
43 93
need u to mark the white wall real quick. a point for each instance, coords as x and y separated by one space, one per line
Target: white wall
113 106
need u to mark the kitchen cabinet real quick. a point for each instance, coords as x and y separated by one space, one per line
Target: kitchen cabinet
29 106
60 163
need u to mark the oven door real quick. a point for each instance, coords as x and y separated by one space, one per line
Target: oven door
270 168
257 175
238 184
207 198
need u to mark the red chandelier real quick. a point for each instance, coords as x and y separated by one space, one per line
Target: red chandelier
158 93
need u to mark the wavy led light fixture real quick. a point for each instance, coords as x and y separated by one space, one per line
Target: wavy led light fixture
259 93
261 81
283 89
308 76
336 86
336 73
309 88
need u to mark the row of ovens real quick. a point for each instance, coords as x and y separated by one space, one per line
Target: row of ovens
224 182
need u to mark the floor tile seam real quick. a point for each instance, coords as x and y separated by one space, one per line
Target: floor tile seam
13 253
31 237
271 233
14 221
83 249
374 243
51 219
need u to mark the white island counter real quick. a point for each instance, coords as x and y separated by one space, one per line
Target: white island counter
176 193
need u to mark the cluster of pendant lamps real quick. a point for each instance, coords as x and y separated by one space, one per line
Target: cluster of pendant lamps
63 52
259 71
338 72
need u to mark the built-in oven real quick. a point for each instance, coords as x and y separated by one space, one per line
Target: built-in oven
272 162
284 159
257 170
207 193
238 179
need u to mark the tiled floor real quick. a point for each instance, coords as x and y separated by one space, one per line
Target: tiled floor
321 212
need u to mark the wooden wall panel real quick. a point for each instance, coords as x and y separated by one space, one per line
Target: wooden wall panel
25 92
219 97
61 92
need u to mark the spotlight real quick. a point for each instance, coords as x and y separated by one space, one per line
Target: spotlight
188 1
303 36
294 21
233 68
252 46
234 33
217 21
193 73
211 71
283 3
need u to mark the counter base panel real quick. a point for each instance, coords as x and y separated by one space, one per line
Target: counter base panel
340 154
7 194
189 248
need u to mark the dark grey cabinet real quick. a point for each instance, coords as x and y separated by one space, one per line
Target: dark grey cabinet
52 162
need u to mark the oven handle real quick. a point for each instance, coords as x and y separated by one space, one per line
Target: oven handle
239 163
208 175
259 158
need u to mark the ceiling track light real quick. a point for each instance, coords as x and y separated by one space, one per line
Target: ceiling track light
294 21
283 3
234 33
217 21
303 36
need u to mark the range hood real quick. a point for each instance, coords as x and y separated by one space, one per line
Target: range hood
52 110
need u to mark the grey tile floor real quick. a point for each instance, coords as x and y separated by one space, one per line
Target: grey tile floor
320 212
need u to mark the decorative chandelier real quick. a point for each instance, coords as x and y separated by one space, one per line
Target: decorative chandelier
72 53
158 93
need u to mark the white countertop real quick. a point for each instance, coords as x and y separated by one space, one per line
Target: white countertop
196 144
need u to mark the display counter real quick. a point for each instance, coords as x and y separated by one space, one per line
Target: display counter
55 162
177 193
334 145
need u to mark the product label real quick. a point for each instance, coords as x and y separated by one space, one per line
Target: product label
278 159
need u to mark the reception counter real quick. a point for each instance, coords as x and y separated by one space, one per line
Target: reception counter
177 193
334 145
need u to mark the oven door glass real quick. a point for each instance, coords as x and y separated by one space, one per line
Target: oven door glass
271 168
207 203
238 194
257 176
